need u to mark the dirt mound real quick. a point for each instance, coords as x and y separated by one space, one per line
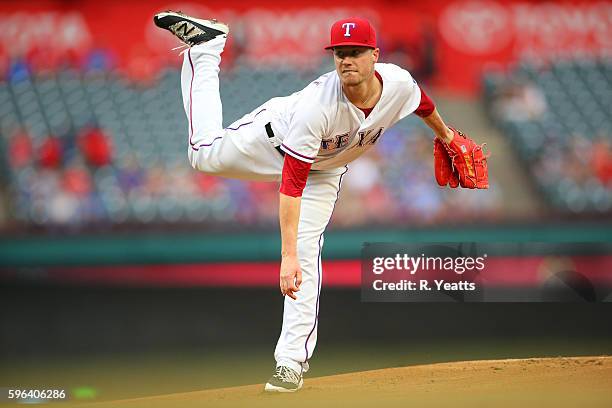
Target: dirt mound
538 382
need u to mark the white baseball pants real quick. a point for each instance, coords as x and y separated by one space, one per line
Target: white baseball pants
242 150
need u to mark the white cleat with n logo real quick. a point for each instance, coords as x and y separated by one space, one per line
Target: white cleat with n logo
188 29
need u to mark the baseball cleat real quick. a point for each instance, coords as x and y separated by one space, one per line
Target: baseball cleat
190 30
284 380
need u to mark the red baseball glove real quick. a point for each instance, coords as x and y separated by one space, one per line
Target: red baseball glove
445 173
462 162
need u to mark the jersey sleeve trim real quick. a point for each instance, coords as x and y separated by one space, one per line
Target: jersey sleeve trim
426 106
297 155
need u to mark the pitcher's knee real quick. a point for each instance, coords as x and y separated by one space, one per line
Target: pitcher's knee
201 161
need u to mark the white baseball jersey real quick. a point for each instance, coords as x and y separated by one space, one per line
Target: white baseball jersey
320 125
317 124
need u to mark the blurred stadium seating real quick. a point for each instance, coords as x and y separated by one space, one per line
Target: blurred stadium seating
559 119
55 179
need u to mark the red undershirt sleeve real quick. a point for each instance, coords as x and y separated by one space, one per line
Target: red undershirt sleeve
295 174
426 107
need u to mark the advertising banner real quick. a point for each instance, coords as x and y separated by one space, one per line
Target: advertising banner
446 44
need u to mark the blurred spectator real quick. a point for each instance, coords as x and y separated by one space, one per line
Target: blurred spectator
415 52
44 60
155 180
519 101
602 160
364 175
18 70
142 67
130 176
95 145
99 60
50 153
208 185
20 149
76 180
5 63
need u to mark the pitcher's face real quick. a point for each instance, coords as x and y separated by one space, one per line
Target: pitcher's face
354 64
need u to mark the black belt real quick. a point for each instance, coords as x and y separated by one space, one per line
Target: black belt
271 135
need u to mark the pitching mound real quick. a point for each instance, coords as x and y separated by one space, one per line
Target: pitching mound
538 382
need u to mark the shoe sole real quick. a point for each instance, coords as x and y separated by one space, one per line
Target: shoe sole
273 388
159 17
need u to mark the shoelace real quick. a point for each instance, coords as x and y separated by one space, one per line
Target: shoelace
183 47
287 375
180 47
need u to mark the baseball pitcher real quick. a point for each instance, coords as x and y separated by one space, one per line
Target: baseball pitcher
305 141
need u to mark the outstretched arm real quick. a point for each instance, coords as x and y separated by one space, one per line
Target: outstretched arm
429 114
435 123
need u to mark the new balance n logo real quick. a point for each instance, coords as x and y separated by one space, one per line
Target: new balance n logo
184 27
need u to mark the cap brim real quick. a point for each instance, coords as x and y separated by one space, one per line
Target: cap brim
351 44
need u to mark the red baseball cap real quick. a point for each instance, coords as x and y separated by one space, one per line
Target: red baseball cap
352 31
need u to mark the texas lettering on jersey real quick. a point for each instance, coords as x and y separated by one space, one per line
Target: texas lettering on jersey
336 142
369 137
